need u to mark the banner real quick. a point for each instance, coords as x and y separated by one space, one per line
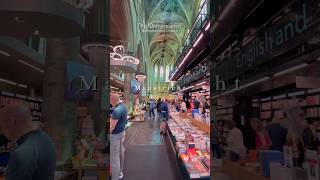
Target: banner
81 81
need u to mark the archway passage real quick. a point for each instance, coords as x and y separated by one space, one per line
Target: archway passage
155 32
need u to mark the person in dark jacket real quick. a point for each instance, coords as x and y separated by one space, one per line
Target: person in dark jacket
310 138
164 116
215 146
159 108
34 157
277 134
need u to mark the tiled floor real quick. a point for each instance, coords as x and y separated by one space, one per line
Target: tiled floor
148 156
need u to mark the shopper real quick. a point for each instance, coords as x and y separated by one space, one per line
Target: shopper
196 103
191 106
184 107
263 141
310 138
235 147
250 136
293 119
34 157
164 116
152 106
159 108
177 105
117 128
215 143
207 104
277 134
196 106
205 107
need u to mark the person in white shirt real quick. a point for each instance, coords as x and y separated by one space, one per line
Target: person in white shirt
236 148
184 106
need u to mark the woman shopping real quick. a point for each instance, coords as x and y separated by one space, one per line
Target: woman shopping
263 141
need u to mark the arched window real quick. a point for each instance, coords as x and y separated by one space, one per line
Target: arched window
156 73
167 73
161 73
204 10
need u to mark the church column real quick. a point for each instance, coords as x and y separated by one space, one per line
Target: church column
59 114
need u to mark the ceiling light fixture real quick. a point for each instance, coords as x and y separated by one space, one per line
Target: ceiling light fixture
290 70
310 91
255 82
198 40
8 82
225 11
119 54
216 96
296 93
265 99
228 92
187 88
5 53
23 86
19 20
185 58
207 27
31 66
201 83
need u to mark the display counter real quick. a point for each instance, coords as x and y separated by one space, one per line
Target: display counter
191 146
237 172
201 125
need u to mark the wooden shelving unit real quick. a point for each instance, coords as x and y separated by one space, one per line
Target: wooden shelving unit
223 113
33 103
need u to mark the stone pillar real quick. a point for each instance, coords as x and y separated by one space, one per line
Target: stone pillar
99 106
96 40
60 115
128 97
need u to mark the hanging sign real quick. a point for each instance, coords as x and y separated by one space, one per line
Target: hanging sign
198 72
288 32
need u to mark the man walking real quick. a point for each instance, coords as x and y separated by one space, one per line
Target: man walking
159 108
117 128
152 106
164 116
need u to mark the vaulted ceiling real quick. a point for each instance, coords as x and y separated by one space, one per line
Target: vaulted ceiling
162 45
178 15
